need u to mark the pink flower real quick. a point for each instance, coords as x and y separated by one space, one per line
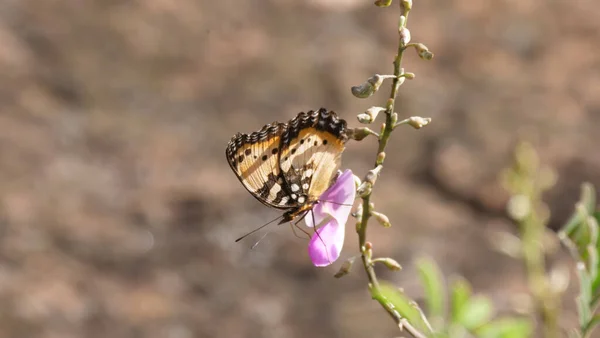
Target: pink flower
331 214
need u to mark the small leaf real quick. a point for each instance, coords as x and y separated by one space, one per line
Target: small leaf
433 283
461 292
506 328
402 304
476 312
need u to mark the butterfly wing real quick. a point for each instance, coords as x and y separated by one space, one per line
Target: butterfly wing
254 159
311 149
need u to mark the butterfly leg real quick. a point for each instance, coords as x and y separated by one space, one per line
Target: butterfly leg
295 225
318 235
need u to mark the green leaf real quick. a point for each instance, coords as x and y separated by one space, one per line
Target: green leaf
591 325
588 200
461 292
597 216
585 295
433 284
506 328
402 304
476 312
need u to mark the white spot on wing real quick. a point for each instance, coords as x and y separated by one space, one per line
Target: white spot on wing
305 186
275 189
295 187
301 199
284 200
294 196
307 173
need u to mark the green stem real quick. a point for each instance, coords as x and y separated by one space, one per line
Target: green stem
366 213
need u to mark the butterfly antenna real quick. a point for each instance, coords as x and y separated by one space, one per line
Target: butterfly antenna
255 230
261 238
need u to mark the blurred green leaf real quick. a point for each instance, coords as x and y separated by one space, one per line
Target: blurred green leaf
506 328
592 323
588 200
402 304
433 284
476 312
461 292
585 295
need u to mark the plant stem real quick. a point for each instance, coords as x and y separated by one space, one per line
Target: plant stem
545 300
366 213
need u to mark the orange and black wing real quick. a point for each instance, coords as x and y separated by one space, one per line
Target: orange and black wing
311 149
254 158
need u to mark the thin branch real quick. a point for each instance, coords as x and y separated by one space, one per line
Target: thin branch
365 248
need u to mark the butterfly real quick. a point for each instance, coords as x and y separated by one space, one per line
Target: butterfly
289 165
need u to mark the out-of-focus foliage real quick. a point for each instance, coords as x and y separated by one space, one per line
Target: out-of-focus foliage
454 312
580 235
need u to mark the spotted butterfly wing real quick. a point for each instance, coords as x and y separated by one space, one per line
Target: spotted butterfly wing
255 161
289 165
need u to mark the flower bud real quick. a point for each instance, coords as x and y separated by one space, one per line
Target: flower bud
401 21
404 35
367 250
407 4
359 212
370 114
519 206
390 263
364 118
371 176
418 122
409 75
506 243
394 118
358 134
345 268
423 52
383 3
380 157
382 219
364 189
368 88
357 181
559 278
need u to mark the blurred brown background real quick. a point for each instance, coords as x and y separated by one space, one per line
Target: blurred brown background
119 212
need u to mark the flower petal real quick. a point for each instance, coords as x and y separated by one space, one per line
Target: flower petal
325 246
335 202
333 209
